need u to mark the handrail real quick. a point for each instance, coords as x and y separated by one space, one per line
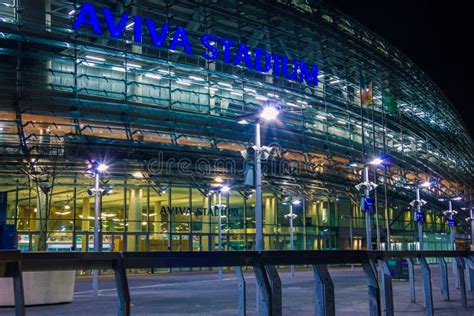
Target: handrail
264 263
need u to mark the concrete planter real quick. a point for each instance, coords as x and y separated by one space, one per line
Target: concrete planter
45 287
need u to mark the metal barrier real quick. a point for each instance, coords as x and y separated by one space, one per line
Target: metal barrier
264 264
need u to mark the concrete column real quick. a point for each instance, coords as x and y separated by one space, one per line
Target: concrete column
135 210
85 223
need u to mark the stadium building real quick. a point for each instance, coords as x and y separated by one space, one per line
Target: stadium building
155 92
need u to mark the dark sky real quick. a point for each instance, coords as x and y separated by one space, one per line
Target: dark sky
436 35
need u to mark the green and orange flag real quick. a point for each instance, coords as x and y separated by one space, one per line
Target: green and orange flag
389 102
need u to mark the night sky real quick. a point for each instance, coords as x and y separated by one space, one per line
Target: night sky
437 36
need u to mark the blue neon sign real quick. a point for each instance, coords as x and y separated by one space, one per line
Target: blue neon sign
215 48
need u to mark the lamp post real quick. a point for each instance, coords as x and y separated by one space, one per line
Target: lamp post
451 222
418 203
97 169
376 162
222 189
291 216
471 220
367 203
268 113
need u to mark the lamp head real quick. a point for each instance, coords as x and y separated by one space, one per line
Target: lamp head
269 113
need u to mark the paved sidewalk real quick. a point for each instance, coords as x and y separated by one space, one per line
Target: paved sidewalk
200 293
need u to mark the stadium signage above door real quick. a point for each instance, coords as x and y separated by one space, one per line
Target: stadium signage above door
211 47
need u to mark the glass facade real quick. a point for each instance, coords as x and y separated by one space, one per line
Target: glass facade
166 121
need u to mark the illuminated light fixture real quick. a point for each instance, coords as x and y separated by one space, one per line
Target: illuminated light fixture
376 161
250 90
132 65
183 82
225 189
353 165
102 167
168 72
457 198
296 202
272 95
335 81
261 98
35 210
89 64
302 102
212 89
243 122
62 213
269 113
425 184
67 207
121 69
95 58
341 121
321 117
291 104
129 25
137 175
71 12
225 84
219 179
237 94
153 76
196 78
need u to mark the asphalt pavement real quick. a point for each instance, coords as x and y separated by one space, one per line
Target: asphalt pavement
201 293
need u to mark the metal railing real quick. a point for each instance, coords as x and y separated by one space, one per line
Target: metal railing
264 264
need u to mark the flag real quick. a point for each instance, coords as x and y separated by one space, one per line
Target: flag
389 102
365 92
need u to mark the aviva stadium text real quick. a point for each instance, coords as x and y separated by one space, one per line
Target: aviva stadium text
256 59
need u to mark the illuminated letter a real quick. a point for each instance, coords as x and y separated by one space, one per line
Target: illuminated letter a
87 10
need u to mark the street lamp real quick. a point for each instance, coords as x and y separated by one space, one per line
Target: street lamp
471 219
291 216
450 214
418 203
376 162
268 113
222 189
96 168
367 203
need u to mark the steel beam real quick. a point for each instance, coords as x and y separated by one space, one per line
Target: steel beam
455 273
374 291
275 284
469 273
411 279
443 278
427 290
18 289
265 303
242 299
386 280
462 282
123 292
324 291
